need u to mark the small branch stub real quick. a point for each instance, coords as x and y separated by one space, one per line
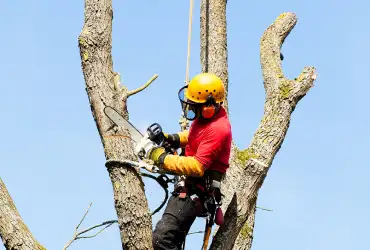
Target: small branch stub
135 91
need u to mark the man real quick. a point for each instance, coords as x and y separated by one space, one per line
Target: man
207 150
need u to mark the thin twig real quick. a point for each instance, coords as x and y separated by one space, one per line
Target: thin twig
107 223
266 209
77 235
87 211
110 222
197 232
135 91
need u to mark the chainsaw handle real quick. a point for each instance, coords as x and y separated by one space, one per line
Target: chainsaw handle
155 134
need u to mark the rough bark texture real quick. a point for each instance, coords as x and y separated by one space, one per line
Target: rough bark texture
245 237
14 233
249 167
95 43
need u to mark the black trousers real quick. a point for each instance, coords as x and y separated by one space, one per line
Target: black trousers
172 228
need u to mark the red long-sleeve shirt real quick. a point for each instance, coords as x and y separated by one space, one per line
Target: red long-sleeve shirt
209 142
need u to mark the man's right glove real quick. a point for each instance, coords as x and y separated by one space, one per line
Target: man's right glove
171 140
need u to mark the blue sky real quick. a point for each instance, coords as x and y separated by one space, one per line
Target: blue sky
52 159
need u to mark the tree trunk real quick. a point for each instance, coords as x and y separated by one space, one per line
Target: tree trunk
14 233
103 89
248 168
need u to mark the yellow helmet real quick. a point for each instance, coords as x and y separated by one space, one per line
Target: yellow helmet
203 86
200 95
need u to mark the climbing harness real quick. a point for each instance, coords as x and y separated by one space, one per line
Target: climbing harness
206 194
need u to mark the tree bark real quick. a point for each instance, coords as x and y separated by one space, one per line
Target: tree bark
248 168
103 89
14 233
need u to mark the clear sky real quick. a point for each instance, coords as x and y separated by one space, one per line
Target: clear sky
52 159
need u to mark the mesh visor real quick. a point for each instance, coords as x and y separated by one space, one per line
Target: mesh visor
189 107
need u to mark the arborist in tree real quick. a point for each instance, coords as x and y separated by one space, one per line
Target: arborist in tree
207 150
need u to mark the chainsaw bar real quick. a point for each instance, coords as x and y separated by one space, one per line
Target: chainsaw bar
117 119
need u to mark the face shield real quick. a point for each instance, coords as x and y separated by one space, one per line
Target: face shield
189 108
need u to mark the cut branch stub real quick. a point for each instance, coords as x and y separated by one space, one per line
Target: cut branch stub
270 57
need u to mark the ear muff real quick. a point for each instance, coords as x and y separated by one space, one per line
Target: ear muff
209 109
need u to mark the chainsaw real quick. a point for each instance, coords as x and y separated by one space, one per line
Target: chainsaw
153 136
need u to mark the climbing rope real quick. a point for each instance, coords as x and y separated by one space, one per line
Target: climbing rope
189 41
183 124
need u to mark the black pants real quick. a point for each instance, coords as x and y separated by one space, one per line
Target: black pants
172 228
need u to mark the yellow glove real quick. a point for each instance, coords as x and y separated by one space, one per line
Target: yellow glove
157 155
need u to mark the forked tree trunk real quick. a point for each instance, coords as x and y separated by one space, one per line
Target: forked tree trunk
248 168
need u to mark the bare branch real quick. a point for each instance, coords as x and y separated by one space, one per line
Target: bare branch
13 231
135 91
77 235
83 218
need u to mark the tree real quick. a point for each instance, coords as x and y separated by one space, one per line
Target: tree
248 167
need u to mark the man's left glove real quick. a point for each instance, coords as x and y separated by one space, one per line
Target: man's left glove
147 149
